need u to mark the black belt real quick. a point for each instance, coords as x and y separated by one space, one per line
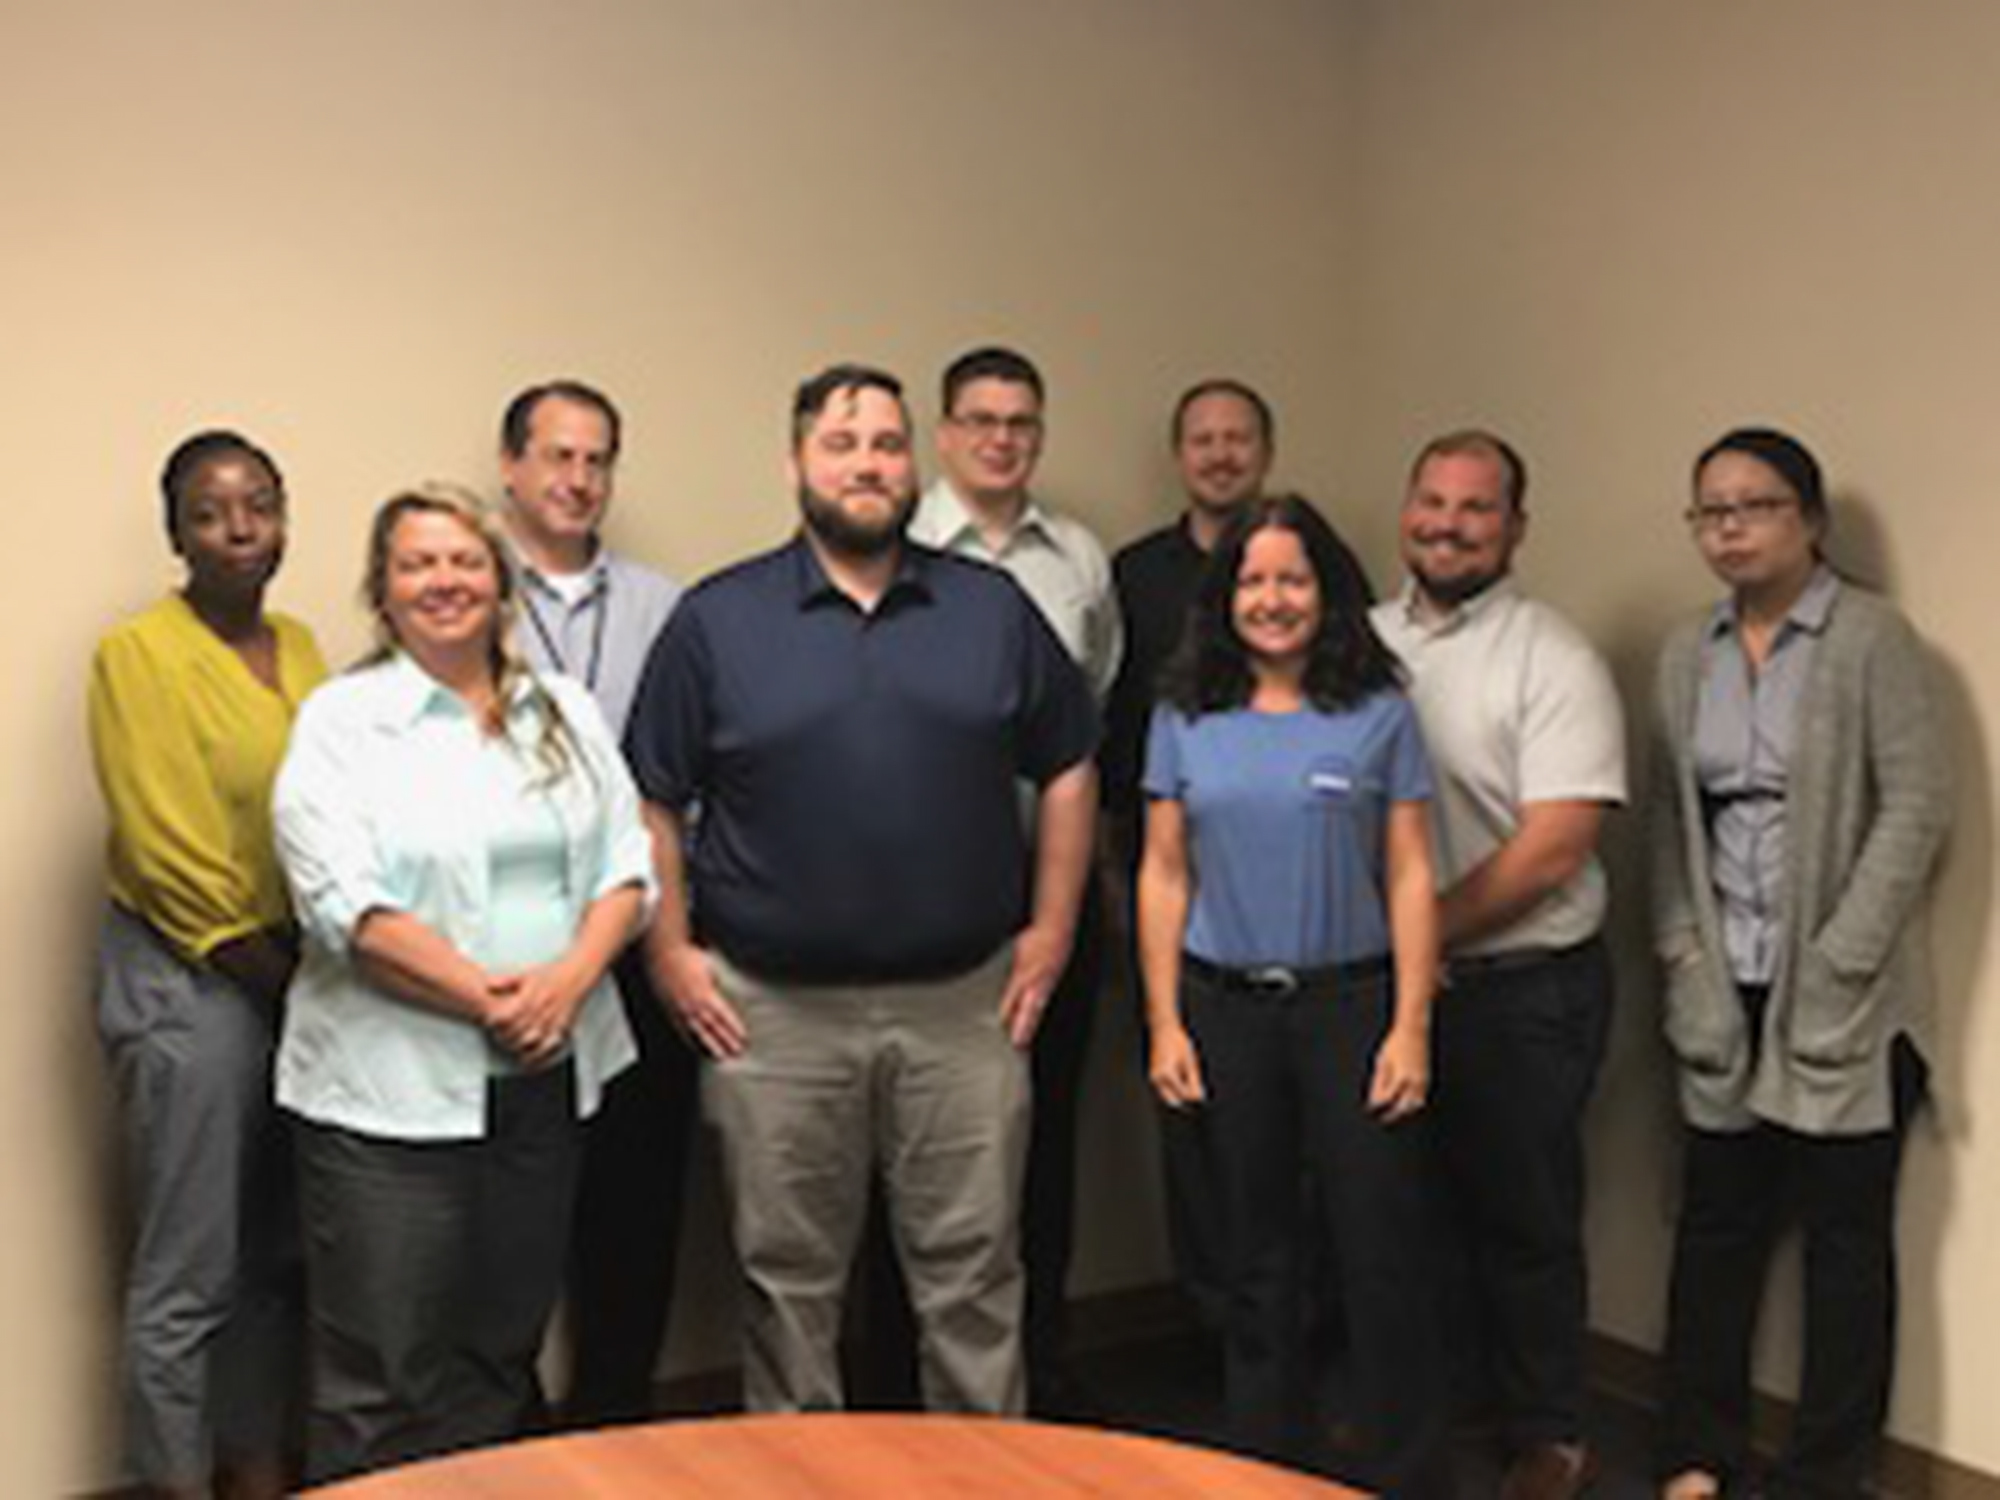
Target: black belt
1486 965
1283 979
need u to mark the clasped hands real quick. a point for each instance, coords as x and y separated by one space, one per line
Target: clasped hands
530 1011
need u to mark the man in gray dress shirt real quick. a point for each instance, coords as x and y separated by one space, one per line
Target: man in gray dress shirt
592 614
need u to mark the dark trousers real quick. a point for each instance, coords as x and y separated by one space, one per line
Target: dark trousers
1048 1201
879 1359
1287 1081
1739 1189
623 1256
431 1271
1518 1045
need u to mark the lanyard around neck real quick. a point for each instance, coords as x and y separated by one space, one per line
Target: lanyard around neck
602 600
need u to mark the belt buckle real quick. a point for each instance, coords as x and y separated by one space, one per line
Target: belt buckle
1272 979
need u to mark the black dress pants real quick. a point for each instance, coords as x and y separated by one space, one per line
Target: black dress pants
1739 1189
625 1251
1048 1208
1518 1047
1287 1080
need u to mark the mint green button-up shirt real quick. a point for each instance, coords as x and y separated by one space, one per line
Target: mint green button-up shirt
392 797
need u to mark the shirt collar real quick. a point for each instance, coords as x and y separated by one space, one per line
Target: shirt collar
1809 612
598 570
951 519
814 587
1459 616
1184 529
411 694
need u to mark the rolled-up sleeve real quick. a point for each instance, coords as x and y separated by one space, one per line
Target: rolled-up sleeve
174 827
628 848
326 834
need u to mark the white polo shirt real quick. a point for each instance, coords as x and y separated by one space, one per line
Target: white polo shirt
1516 707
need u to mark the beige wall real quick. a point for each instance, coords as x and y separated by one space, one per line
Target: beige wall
1609 229
354 229
1614 229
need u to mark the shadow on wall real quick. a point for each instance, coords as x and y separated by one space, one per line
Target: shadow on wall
1862 548
92 1117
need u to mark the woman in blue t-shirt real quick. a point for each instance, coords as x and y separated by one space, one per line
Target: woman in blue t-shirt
1288 943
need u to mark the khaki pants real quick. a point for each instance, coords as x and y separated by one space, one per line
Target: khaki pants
920 1082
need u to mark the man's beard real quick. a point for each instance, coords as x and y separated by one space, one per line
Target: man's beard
841 534
1457 589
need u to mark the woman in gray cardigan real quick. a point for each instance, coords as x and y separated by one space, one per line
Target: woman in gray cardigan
1801 797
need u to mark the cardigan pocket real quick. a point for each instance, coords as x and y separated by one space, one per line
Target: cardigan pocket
1707 1031
1834 1019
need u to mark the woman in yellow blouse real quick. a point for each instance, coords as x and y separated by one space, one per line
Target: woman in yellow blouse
191 703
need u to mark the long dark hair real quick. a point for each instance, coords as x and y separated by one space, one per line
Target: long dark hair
1210 671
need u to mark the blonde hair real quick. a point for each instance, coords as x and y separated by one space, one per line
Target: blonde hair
555 745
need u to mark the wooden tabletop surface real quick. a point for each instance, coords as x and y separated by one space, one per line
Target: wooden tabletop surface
839 1456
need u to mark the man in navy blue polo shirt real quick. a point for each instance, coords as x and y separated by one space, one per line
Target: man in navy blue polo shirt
870 944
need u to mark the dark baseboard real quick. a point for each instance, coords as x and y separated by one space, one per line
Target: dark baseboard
1636 1377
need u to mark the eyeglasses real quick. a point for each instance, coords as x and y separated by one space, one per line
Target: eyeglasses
1758 510
986 424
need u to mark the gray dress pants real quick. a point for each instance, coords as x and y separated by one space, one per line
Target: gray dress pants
210 1329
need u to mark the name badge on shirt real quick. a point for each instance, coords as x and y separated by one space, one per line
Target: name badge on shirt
1332 778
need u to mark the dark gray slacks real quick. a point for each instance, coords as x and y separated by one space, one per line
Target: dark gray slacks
210 1323
630 1196
432 1268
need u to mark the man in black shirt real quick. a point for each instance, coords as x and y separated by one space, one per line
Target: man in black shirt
1222 439
868 952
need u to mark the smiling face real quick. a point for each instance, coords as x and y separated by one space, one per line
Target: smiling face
991 439
1223 452
1750 526
854 472
440 587
1459 526
1276 609
229 527
559 484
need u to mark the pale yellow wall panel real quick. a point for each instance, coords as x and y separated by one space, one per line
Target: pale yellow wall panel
1613 231
354 229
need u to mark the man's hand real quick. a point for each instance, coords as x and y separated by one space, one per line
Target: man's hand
1173 1067
1039 957
1402 1079
685 977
